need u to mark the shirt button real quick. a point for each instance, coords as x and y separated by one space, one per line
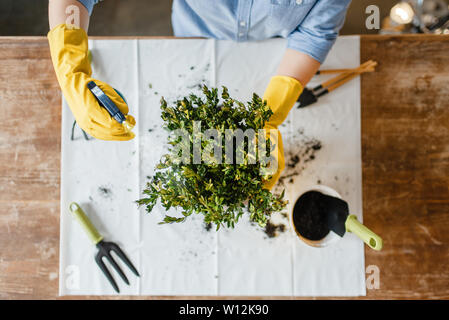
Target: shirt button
298 1
242 23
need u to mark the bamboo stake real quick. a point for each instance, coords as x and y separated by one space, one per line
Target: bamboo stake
351 76
363 66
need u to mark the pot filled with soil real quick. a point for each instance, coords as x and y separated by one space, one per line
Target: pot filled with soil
308 217
320 217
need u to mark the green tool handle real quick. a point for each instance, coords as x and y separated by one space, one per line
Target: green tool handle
370 238
90 229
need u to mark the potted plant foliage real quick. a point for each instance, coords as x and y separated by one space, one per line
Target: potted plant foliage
219 190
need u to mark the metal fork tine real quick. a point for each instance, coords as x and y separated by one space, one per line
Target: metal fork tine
98 259
124 258
117 268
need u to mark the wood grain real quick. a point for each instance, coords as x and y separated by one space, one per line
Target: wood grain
405 150
405 153
30 104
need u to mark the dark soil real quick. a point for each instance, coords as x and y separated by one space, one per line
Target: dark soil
208 226
105 192
297 159
309 216
272 229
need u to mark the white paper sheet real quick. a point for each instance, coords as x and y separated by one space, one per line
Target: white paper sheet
105 178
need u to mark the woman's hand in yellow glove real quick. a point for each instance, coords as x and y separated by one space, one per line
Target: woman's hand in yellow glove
69 53
281 94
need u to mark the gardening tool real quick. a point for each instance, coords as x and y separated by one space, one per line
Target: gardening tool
339 221
333 71
104 248
112 108
310 96
107 103
70 57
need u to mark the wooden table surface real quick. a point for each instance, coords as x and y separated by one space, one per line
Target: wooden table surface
405 153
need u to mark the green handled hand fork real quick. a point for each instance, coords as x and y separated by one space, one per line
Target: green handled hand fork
104 248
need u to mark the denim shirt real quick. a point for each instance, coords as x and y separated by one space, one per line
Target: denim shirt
310 26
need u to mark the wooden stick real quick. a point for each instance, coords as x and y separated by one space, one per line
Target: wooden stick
344 74
364 67
349 77
332 71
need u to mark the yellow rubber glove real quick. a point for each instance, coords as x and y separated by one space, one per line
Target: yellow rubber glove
281 94
69 54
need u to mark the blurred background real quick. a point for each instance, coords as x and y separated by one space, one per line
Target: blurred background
126 17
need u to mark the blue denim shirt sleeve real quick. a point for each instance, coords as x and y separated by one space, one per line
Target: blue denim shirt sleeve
316 35
89 4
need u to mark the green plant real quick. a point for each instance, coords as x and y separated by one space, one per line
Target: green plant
220 191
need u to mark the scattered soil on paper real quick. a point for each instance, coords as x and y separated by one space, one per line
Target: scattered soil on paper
105 192
272 230
296 160
192 81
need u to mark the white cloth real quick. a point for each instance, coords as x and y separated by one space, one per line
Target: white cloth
105 178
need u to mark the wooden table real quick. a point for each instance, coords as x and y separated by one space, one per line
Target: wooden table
405 150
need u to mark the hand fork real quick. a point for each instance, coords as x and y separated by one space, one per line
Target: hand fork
104 248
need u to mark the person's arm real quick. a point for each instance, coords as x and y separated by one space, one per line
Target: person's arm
298 65
69 51
309 44
307 48
59 11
